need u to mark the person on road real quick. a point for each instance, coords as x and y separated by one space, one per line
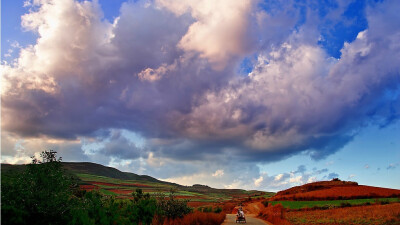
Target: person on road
240 212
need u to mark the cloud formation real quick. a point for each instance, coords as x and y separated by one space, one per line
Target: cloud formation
167 71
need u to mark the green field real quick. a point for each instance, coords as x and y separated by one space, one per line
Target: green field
332 203
111 186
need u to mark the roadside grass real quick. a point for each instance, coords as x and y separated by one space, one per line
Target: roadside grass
333 203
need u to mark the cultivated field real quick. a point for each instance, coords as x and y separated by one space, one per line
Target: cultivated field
373 214
198 195
332 203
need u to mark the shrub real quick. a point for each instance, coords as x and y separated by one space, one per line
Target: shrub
345 204
274 214
384 202
38 195
172 208
217 210
228 207
198 218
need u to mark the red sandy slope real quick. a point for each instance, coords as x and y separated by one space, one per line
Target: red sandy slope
334 190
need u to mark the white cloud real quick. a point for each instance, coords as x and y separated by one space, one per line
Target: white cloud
220 30
279 177
155 162
296 180
218 173
257 182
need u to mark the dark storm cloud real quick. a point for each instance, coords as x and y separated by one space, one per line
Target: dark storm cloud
120 147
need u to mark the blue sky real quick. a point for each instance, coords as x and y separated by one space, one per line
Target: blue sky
256 95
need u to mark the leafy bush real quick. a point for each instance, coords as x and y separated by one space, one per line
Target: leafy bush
144 208
345 204
198 218
171 207
217 210
274 214
38 195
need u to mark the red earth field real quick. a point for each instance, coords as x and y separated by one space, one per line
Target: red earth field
330 190
119 191
373 214
88 187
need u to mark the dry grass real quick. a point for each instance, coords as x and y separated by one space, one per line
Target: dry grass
374 214
198 218
274 214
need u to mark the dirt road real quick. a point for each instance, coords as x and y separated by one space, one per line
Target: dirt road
250 219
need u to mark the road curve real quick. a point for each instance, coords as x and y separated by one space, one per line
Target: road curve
250 220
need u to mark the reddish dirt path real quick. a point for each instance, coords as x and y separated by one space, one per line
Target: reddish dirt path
250 219
251 211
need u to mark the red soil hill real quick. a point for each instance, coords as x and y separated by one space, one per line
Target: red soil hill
332 190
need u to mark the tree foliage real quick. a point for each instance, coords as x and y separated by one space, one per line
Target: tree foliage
171 207
38 195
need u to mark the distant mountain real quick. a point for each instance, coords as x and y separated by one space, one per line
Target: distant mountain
105 171
93 169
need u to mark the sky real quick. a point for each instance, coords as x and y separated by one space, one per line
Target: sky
244 94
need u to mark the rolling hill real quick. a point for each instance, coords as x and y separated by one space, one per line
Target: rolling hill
334 190
93 169
111 181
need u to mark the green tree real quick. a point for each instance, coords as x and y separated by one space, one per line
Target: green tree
171 207
38 195
144 207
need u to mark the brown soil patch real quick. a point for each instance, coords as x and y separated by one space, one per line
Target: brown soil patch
135 185
105 184
88 187
197 204
118 191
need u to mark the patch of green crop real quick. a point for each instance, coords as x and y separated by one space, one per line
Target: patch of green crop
107 192
269 194
188 193
90 177
331 203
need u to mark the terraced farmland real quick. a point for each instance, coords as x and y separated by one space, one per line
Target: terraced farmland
197 194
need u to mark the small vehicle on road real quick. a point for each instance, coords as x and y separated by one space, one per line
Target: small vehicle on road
240 218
